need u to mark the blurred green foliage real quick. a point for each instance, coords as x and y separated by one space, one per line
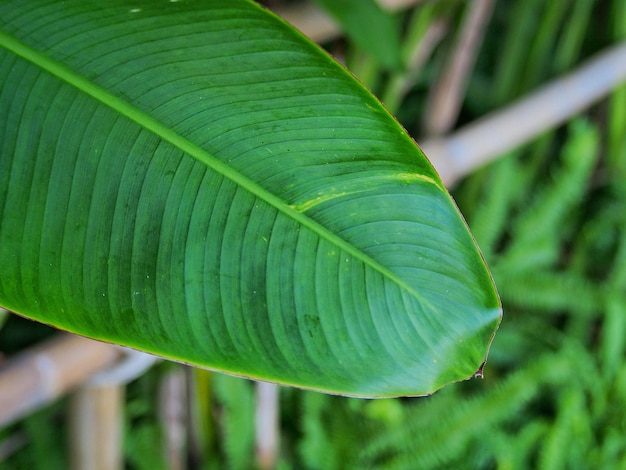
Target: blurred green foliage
551 220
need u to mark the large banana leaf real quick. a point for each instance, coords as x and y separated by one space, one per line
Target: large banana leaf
199 181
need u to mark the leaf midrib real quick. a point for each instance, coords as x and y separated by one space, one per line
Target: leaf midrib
149 123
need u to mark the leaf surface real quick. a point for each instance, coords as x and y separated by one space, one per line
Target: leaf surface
197 180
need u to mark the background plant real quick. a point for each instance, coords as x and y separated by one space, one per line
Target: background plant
551 220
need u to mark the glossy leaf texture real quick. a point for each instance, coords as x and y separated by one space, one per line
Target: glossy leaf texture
199 181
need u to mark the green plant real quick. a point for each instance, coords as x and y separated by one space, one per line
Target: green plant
554 395
199 181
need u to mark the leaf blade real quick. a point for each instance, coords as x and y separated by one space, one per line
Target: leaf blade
255 207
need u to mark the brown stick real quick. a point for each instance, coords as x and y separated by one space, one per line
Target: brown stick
96 413
447 95
40 374
267 432
499 132
173 398
96 428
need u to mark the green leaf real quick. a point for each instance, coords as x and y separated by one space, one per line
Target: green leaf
371 28
197 180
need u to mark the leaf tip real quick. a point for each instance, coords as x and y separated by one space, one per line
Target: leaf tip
479 373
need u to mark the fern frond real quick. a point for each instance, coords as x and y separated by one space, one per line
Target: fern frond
543 223
514 450
575 27
561 449
613 346
617 277
490 220
315 448
550 291
236 420
421 444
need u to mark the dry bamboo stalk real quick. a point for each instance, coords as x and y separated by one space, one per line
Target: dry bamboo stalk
173 397
401 84
42 373
311 21
447 95
266 423
499 132
96 426
96 413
